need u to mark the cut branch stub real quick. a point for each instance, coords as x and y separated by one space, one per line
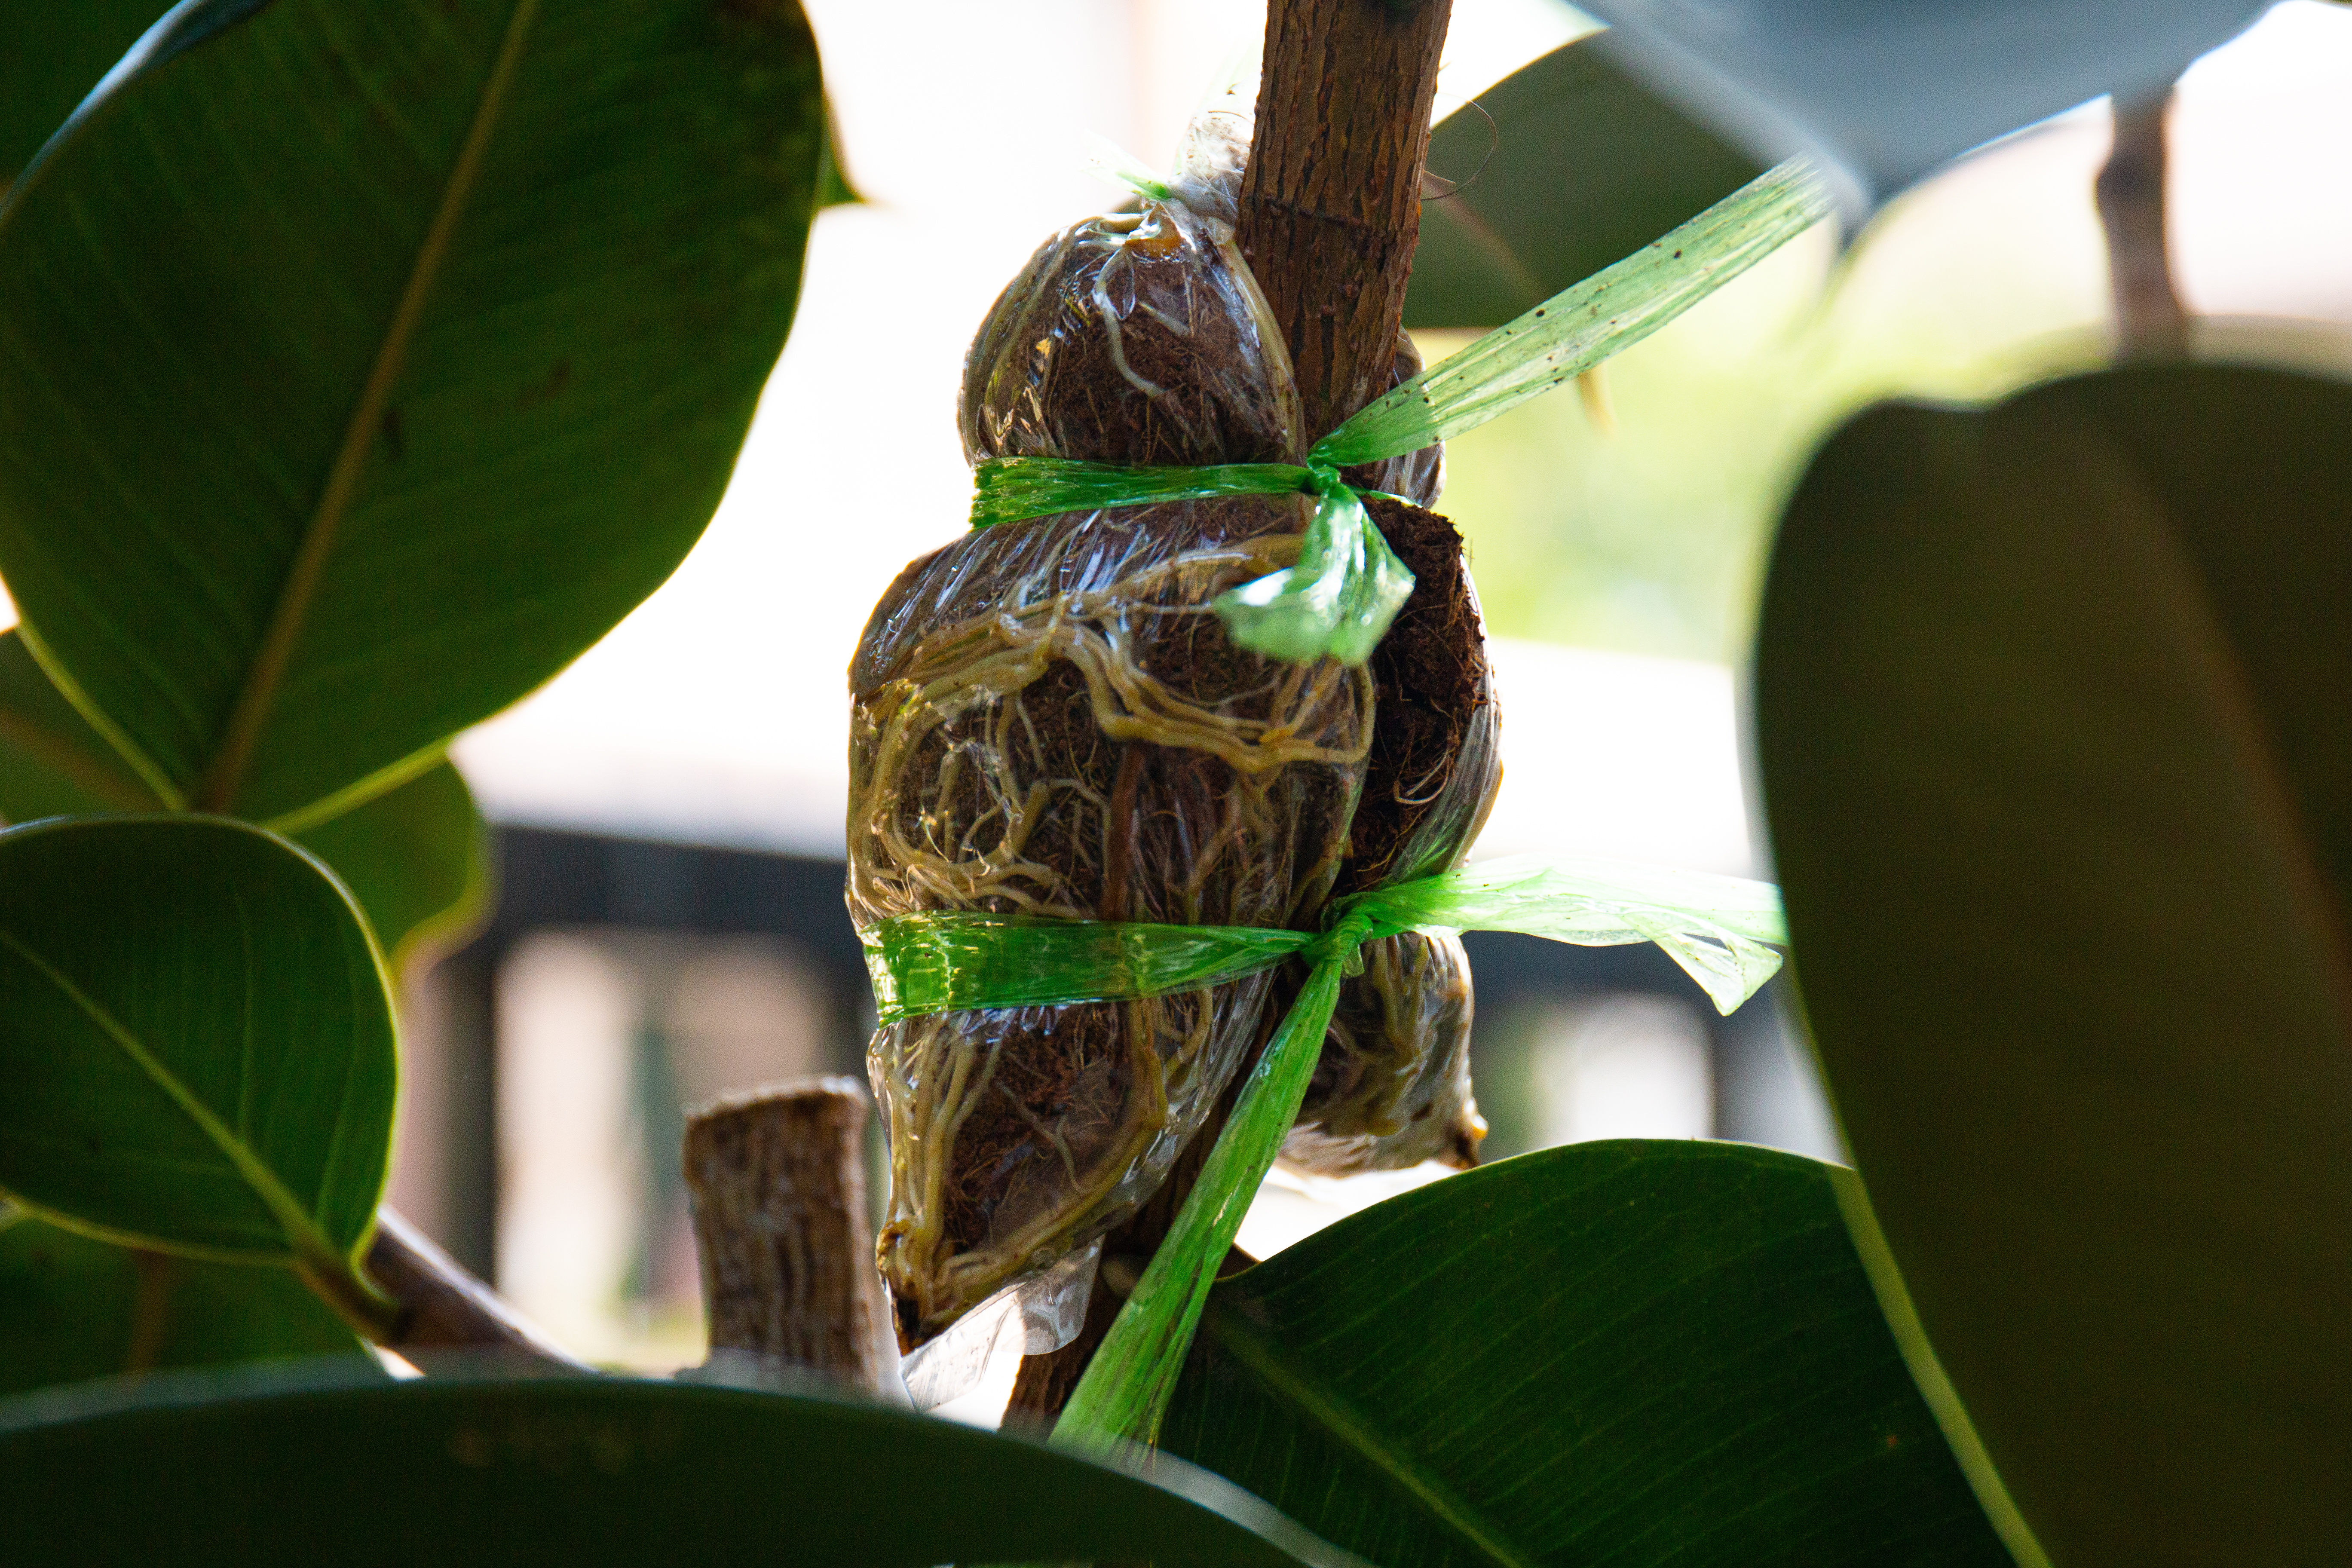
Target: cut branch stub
1330 203
776 1176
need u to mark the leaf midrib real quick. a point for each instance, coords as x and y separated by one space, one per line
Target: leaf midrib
60 755
304 1238
1332 1415
265 673
2201 633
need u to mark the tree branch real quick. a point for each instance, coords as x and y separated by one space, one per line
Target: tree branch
777 1178
2149 321
444 1307
1330 205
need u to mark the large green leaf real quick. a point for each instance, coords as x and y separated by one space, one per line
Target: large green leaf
1576 165
195 1043
1880 94
72 1308
253 1468
52 52
414 855
365 363
1627 1353
2052 716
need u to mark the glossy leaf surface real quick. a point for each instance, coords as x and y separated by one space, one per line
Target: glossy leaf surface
413 855
73 1309
1880 94
392 352
2059 769
1631 1353
569 1472
195 1040
52 55
1573 164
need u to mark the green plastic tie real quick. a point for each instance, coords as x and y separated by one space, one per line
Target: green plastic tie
1341 597
1720 929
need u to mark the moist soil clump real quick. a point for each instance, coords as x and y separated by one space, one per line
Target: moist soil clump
1435 761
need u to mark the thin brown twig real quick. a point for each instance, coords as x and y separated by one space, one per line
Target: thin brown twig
2150 324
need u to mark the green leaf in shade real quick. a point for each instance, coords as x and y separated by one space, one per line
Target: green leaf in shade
52 764
72 1308
833 186
196 1045
1576 164
2052 705
394 351
1630 1353
1880 94
242 1468
414 855
52 52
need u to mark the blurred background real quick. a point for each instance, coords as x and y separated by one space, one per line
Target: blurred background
666 918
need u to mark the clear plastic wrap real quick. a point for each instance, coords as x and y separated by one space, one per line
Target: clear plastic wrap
1140 339
1048 721
1392 1087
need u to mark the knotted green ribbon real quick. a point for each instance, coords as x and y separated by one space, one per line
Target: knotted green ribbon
1717 928
1338 601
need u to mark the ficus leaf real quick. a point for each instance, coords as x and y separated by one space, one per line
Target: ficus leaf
241 1469
1880 95
2051 708
73 1307
52 55
395 350
196 1044
1637 1353
1565 166
413 855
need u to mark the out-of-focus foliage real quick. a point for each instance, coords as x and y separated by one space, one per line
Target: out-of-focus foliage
2051 708
1645 530
243 1468
52 52
1561 169
1883 94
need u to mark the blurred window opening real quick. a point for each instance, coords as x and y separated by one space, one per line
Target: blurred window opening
1623 1065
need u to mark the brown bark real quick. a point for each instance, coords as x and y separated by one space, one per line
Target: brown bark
777 1179
1330 203
444 1307
1330 211
2149 321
